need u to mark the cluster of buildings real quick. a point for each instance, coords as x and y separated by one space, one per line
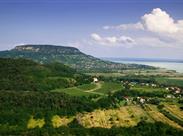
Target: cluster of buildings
141 100
141 84
175 92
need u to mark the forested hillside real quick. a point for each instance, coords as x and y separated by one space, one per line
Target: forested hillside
22 74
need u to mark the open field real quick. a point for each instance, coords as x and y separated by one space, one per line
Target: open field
175 110
101 88
171 81
125 116
87 86
138 72
158 116
74 91
82 90
148 89
108 118
109 87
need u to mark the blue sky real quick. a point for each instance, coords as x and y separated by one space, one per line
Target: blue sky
103 28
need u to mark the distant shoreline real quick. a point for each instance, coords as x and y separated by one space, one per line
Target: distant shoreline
142 59
169 64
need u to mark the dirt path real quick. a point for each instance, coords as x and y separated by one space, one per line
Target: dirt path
98 86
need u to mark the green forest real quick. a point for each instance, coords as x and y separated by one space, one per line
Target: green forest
26 75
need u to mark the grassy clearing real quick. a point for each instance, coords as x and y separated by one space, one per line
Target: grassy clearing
157 116
145 72
139 114
172 117
101 88
106 74
148 89
33 123
126 116
106 118
87 86
74 91
109 86
175 110
170 82
78 90
179 78
58 121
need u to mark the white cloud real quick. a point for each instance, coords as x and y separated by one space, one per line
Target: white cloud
125 26
157 21
151 41
113 40
96 37
156 25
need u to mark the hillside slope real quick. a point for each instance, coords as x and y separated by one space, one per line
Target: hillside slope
67 55
22 74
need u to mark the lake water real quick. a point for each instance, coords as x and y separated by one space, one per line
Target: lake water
168 65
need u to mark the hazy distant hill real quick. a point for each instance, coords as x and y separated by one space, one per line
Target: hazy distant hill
67 55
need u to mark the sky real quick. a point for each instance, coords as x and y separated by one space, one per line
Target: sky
102 28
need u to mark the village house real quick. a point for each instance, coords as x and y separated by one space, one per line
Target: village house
153 85
170 96
134 83
126 98
141 100
175 90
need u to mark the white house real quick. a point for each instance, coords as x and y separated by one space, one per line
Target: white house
177 91
170 96
153 85
126 98
95 80
142 100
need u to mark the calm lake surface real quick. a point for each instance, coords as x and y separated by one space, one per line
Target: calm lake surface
168 65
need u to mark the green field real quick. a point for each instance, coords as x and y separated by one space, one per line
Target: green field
126 116
74 91
87 86
156 115
77 91
101 88
107 87
170 81
148 89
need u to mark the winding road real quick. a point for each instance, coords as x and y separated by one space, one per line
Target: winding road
98 86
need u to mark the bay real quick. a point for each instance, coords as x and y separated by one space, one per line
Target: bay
178 66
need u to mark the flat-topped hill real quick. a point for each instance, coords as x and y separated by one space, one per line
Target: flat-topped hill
67 55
